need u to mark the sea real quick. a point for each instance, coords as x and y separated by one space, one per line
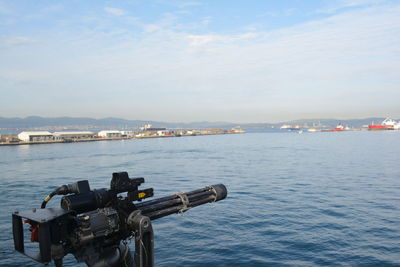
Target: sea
311 199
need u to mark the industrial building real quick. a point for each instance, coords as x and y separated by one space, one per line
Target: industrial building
150 128
9 138
73 135
129 134
35 136
110 134
165 133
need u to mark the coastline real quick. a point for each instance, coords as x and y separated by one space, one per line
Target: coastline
94 139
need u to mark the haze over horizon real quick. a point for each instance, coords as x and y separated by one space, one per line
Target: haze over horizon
144 120
185 61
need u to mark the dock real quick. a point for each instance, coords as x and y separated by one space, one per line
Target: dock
13 140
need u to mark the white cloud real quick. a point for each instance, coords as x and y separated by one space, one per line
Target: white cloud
199 40
4 9
53 8
114 11
151 27
289 12
336 5
204 39
18 40
205 21
189 4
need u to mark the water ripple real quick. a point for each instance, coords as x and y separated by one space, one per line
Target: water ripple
294 200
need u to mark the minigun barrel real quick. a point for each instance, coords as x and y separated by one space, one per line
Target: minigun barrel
181 202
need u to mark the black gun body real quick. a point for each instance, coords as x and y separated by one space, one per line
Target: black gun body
93 225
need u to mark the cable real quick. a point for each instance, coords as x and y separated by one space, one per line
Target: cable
62 190
47 199
145 251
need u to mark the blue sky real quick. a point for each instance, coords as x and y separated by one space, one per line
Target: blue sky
239 61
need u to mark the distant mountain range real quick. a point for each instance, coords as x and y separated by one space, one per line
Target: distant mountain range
118 123
72 122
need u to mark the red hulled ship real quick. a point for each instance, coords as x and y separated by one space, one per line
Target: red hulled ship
387 124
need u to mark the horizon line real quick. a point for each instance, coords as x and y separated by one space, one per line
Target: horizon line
200 121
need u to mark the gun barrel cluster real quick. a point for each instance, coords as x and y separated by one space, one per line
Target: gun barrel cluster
181 202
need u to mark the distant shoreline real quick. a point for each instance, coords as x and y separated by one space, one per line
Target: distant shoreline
197 133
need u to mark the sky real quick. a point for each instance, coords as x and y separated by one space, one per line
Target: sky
185 61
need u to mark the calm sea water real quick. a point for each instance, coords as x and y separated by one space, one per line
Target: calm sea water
315 199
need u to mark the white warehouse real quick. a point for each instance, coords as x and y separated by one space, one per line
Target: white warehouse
128 133
35 136
73 135
109 134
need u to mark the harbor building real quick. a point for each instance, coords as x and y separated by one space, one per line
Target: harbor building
129 134
9 138
73 135
109 134
150 128
165 133
35 136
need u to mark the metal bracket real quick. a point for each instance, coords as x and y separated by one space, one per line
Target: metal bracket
214 191
185 202
144 239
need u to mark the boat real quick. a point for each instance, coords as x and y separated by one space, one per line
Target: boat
290 127
387 124
339 128
313 130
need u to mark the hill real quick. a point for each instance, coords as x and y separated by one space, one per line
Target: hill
86 123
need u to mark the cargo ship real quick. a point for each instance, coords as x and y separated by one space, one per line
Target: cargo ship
387 124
